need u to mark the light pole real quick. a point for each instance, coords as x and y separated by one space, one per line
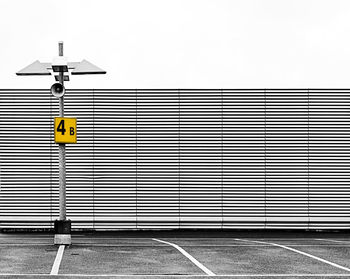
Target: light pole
61 146
63 135
62 226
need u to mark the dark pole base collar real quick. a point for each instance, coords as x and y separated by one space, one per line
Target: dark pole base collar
63 227
63 232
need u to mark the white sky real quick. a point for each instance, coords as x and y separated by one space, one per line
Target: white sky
181 44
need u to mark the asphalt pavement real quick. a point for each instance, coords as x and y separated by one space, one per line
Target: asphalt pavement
181 254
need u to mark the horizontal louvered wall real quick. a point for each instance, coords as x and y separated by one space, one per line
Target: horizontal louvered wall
162 159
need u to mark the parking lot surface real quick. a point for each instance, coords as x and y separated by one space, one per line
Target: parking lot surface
177 255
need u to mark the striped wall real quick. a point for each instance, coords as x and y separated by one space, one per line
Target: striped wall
160 159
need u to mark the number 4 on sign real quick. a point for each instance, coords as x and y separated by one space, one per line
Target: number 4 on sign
65 130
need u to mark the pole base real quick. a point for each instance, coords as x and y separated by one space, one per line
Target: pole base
62 226
63 239
63 232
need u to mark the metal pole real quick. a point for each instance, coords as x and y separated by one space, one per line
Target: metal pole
62 151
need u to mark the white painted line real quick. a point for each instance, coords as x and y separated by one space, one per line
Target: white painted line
145 238
172 238
56 264
331 275
192 259
25 244
299 252
23 238
155 245
187 245
110 238
333 240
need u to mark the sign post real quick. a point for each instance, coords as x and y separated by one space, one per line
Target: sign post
65 128
62 226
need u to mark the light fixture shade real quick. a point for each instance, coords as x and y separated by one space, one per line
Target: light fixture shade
86 68
35 69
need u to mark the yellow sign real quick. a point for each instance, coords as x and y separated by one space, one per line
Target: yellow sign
65 130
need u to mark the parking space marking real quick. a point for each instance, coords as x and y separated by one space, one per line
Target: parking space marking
178 275
299 252
109 238
26 238
38 238
58 259
333 240
184 245
192 259
25 244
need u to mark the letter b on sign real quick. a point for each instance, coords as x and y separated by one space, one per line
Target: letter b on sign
65 130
